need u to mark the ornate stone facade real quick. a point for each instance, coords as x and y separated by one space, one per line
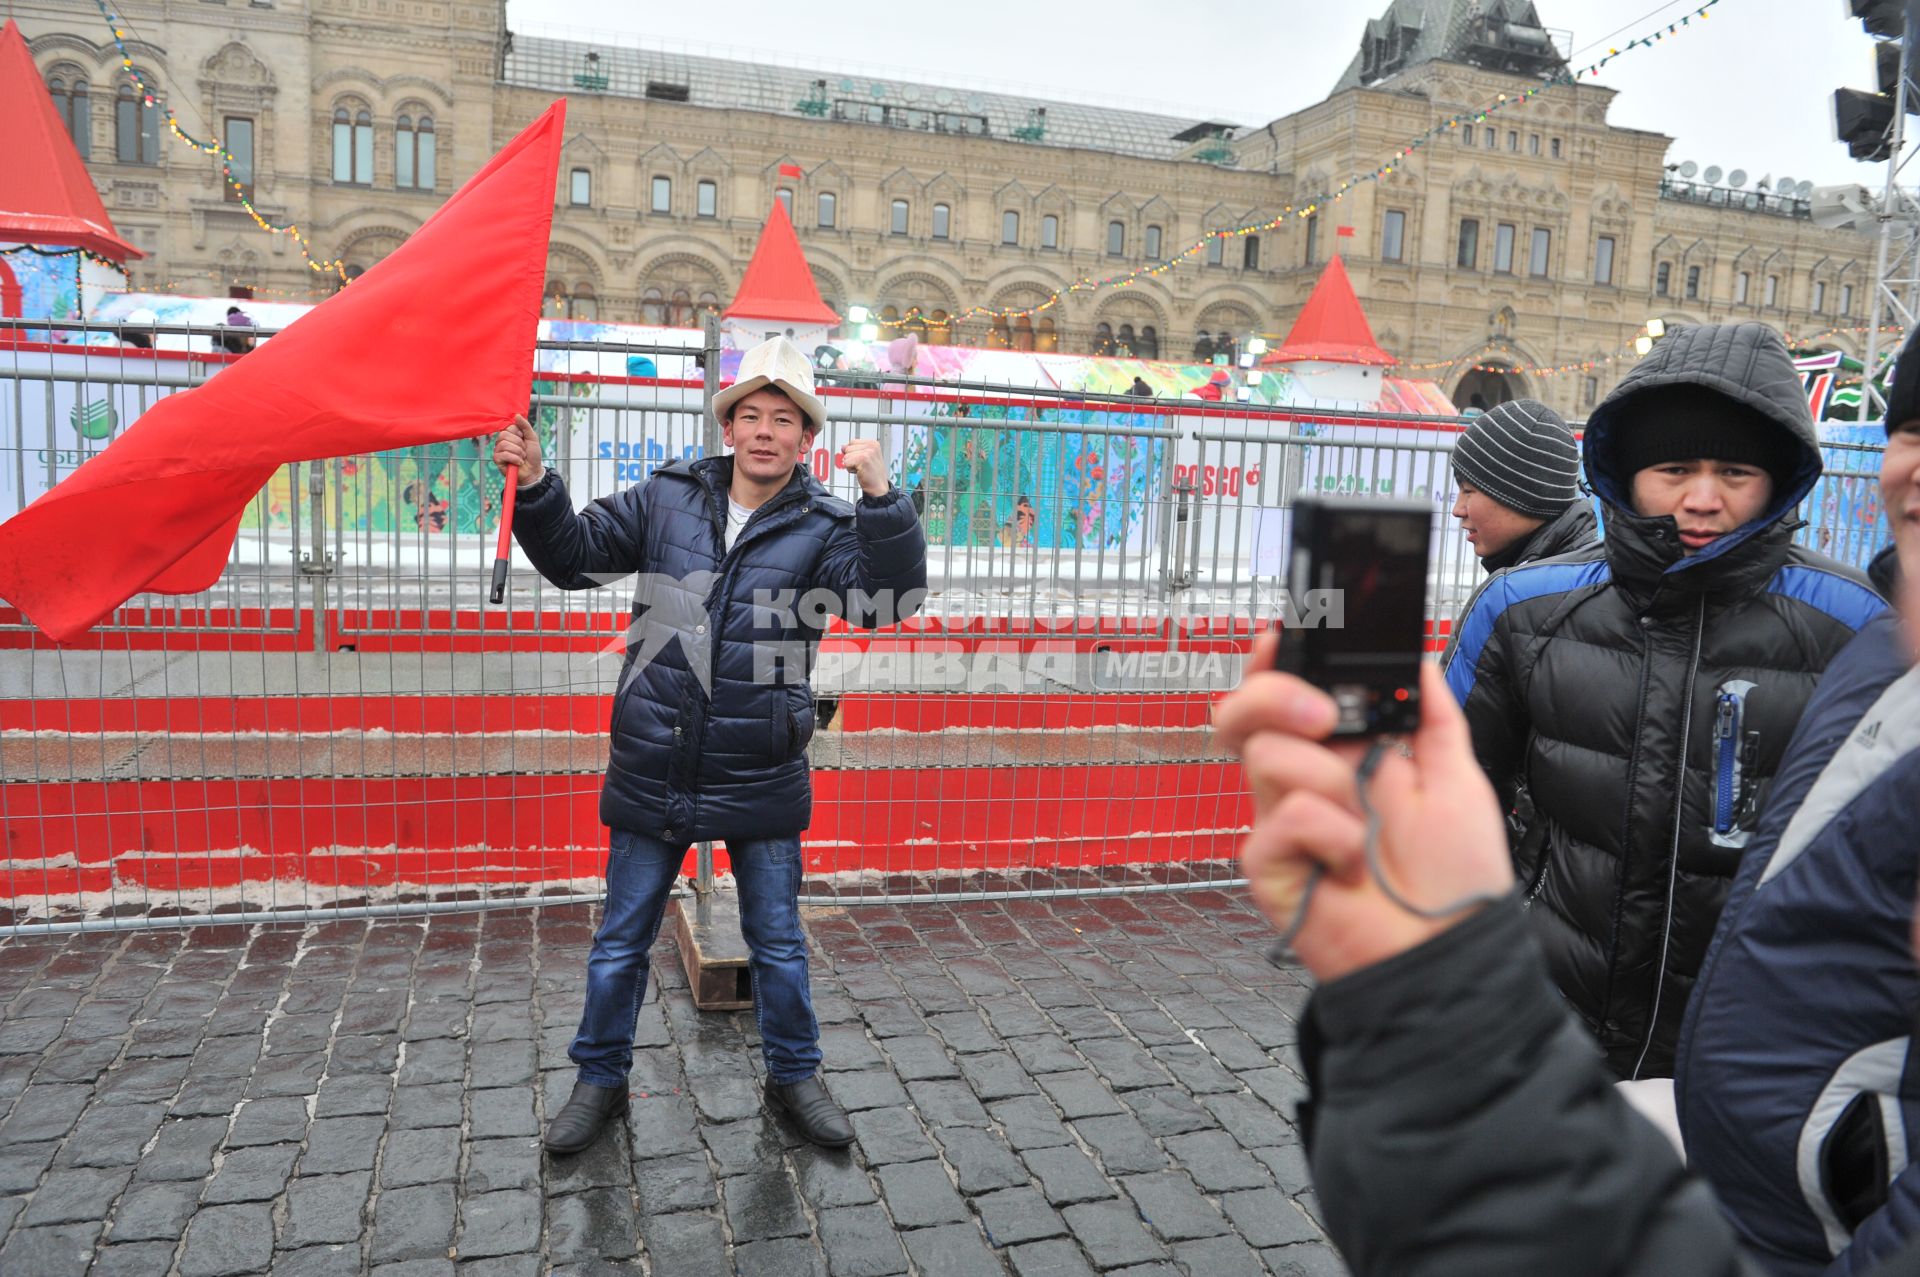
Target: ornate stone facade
1550 240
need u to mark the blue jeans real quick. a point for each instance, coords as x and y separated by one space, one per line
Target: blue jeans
640 876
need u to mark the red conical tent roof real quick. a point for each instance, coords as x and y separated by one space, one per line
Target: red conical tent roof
778 284
46 196
1332 327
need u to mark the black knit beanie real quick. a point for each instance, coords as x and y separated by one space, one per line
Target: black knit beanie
1903 391
1687 422
1521 454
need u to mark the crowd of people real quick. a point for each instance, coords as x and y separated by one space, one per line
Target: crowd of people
1662 825
1654 849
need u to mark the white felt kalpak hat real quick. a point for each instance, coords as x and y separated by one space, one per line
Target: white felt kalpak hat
774 362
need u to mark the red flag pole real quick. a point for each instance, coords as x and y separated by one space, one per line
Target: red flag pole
503 551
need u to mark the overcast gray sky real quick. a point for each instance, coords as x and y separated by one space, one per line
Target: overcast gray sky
1751 88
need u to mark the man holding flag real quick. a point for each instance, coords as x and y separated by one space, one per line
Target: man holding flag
712 712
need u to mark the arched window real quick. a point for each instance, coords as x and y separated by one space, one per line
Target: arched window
1693 283
413 157
1023 333
1103 338
403 152
353 147
829 209
1050 231
136 128
556 307
1009 227
940 329
653 308
1663 278
71 100
1000 336
1125 347
680 312
1203 349
1149 344
1045 336
585 304
784 195
1116 239
889 322
1224 345
426 147
709 303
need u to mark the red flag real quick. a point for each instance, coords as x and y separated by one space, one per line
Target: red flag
434 343
791 170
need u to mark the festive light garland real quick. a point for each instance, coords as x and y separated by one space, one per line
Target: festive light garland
80 256
1589 365
1083 284
87 253
214 147
1501 103
175 285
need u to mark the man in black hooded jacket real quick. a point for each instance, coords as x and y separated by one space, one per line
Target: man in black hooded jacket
1631 702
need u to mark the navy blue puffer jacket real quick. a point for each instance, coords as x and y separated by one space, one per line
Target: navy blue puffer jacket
1798 1084
713 712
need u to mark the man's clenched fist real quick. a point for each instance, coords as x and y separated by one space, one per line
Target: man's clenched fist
861 458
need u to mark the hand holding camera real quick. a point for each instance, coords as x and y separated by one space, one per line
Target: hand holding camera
1440 839
1360 851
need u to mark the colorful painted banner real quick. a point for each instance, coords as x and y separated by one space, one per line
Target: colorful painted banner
1844 512
993 484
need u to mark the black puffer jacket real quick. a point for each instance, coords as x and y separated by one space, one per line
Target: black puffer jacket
1633 703
1460 1126
722 752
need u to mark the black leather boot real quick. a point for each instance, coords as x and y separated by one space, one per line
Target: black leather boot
578 1122
821 1120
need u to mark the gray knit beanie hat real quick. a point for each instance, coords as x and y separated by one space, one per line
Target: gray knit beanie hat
1523 455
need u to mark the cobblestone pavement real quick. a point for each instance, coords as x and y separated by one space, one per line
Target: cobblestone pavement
1055 1087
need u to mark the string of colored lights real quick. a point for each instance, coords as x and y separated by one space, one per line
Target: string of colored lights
80 256
179 285
88 253
213 147
1502 102
1589 365
1084 284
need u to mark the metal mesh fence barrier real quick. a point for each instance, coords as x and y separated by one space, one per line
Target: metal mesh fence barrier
343 723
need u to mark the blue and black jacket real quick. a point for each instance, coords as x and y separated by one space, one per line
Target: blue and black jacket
713 710
1632 703
1798 1088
